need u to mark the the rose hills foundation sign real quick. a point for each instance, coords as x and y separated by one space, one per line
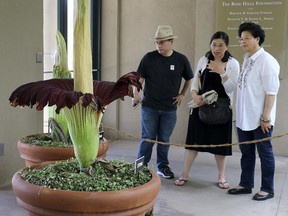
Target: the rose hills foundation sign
271 15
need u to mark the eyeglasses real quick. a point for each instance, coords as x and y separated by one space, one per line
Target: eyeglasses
161 42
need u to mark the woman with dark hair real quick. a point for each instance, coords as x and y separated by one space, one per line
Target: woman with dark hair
257 89
217 71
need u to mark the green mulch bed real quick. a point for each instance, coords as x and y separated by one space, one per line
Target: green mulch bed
45 140
103 175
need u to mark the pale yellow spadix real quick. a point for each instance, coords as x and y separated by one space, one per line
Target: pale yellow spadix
83 123
83 80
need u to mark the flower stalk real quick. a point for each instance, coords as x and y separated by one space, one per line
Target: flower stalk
60 70
82 122
82 49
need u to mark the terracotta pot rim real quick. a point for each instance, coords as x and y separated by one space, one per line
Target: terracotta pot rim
103 201
49 148
36 154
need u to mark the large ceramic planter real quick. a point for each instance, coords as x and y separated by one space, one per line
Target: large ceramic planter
34 155
39 200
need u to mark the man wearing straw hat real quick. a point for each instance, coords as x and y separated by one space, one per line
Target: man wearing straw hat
162 70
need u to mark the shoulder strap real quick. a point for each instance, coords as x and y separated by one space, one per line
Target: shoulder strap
203 81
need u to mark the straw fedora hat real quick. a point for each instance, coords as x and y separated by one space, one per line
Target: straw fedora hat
164 33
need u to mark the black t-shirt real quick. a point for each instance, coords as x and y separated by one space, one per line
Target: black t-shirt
163 76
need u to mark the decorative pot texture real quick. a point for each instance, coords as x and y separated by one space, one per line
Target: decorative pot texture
34 155
43 201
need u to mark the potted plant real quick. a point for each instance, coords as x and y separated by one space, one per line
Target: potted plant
55 145
83 102
38 148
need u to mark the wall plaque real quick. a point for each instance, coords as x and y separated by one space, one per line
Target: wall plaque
271 15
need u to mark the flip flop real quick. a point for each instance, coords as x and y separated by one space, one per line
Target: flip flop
223 185
180 181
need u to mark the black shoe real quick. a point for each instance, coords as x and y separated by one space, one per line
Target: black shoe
260 197
166 172
236 191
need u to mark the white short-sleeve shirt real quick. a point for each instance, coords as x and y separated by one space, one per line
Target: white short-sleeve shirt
259 77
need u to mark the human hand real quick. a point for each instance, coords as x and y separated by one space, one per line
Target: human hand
198 100
265 126
217 67
136 101
178 99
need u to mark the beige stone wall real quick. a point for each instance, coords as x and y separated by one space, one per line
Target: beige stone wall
127 27
21 37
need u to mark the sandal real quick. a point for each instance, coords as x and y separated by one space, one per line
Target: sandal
180 181
223 185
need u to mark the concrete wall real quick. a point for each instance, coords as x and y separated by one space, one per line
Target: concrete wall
21 37
128 26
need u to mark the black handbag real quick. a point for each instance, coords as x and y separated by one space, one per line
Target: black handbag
218 112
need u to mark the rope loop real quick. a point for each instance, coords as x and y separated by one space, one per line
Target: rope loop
203 146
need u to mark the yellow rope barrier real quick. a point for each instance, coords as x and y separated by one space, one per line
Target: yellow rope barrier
204 146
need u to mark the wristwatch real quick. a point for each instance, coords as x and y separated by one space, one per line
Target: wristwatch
264 120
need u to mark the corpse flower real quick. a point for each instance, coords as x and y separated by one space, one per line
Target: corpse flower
82 100
57 123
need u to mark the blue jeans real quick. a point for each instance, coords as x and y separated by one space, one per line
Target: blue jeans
248 159
156 125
